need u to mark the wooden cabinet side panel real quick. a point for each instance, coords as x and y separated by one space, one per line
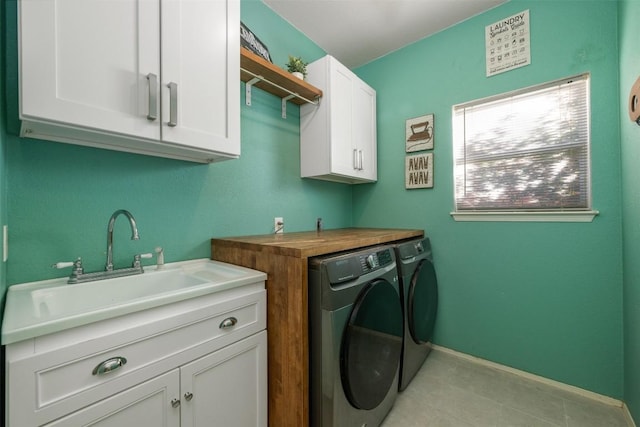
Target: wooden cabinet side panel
287 329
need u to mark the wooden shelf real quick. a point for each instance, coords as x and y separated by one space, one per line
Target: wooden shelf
275 80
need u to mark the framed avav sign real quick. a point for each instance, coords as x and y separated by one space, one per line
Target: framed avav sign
419 171
419 133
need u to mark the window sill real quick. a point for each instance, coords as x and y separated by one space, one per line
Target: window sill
576 216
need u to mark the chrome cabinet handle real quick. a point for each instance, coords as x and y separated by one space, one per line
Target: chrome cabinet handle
109 365
175 403
229 322
153 97
360 159
355 159
173 104
188 396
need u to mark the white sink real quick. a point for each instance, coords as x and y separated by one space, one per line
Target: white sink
38 308
69 299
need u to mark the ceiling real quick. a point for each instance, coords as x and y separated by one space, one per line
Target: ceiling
359 31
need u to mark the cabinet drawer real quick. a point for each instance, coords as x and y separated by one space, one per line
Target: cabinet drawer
62 381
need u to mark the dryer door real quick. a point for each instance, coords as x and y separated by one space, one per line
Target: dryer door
371 345
422 302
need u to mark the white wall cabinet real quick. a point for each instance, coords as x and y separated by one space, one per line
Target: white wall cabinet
201 361
154 77
338 136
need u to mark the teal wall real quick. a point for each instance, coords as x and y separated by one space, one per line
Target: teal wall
542 297
61 196
629 16
3 168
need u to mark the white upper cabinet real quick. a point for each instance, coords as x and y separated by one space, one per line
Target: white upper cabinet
338 136
157 77
201 56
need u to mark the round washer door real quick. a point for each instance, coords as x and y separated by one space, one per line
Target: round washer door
371 345
422 302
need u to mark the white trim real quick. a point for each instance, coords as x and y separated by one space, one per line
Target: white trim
566 216
523 91
562 386
627 415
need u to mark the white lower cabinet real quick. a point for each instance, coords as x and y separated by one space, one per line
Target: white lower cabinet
225 388
196 362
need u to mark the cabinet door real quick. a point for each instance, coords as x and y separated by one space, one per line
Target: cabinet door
148 404
201 61
364 130
85 62
338 137
344 155
227 388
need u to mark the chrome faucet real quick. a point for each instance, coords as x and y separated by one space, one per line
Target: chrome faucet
79 276
112 221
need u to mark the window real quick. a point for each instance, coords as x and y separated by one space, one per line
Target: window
524 151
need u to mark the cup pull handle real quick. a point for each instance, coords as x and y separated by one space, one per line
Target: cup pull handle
109 365
229 322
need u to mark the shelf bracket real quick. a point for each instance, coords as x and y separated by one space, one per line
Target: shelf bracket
284 105
258 78
247 89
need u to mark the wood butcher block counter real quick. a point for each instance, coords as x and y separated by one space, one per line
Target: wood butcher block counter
284 257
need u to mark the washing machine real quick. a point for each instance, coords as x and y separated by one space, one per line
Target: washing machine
419 290
355 337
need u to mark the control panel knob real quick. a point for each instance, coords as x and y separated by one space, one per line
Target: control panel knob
371 261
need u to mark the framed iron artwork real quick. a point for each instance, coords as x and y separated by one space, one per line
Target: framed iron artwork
419 133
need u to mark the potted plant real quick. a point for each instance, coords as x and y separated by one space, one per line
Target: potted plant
297 67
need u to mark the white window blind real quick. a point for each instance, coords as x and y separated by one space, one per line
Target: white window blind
524 151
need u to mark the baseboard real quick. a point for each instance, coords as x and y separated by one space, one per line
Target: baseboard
627 415
557 384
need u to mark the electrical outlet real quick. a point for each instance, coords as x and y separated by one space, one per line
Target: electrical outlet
278 225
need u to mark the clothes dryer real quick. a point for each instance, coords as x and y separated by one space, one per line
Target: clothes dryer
419 290
355 337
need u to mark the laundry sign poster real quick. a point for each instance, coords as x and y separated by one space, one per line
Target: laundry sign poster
508 43
419 171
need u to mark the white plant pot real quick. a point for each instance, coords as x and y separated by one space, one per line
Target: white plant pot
298 75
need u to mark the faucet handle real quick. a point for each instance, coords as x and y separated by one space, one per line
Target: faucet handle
63 264
77 264
78 270
136 259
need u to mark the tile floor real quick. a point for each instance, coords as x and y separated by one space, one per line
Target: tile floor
451 391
